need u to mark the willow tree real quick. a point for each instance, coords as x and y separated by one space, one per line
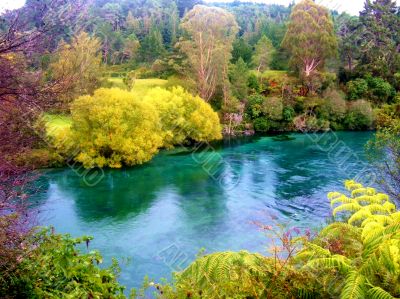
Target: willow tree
310 38
208 46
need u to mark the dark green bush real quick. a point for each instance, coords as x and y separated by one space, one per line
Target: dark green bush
261 124
357 89
55 268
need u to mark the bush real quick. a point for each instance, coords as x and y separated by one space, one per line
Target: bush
254 106
184 116
335 106
357 89
55 268
359 116
261 124
113 127
380 90
272 108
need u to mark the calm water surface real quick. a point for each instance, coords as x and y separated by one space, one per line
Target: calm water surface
161 214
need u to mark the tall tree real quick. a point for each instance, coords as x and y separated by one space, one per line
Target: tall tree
211 32
152 46
264 51
310 38
238 76
349 40
381 38
79 61
241 49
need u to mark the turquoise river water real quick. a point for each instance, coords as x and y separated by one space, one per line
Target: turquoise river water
156 217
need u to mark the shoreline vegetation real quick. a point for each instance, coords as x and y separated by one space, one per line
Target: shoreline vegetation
109 83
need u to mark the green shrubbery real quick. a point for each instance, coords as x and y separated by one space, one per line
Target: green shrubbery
373 88
53 267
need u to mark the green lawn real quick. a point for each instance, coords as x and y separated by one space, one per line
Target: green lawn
54 123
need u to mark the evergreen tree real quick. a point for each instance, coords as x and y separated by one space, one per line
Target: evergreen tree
381 36
152 46
239 79
264 51
241 49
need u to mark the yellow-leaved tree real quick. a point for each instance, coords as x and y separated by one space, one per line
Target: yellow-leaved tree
184 116
114 128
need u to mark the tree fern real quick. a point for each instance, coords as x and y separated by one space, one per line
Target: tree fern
379 293
355 287
374 222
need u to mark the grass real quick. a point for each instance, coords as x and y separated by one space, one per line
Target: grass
55 123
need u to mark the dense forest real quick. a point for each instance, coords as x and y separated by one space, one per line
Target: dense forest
111 83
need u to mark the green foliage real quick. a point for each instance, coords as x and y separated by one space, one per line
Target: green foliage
55 268
272 107
261 124
359 116
241 49
381 91
384 153
357 89
238 76
367 257
152 46
310 38
77 63
263 53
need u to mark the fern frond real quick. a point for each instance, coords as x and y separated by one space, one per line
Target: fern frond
369 199
348 207
355 286
371 230
341 199
382 219
312 251
333 195
363 191
379 293
359 215
352 185
339 226
339 262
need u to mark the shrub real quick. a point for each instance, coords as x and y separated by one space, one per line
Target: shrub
253 84
272 108
113 127
184 116
55 268
288 113
381 91
335 105
357 89
359 116
254 106
261 124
